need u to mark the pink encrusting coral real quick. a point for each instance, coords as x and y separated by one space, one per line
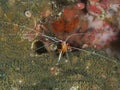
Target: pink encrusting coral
103 38
102 32
105 32
100 28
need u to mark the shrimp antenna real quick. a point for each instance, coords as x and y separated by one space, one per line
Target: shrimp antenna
94 54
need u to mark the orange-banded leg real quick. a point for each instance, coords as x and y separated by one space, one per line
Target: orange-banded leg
64 49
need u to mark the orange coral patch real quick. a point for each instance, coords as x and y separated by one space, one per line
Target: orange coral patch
68 21
58 26
62 25
73 24
70 13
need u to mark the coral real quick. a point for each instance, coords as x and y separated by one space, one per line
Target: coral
96 28
68 21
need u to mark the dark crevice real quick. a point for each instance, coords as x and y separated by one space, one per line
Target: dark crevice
39 47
